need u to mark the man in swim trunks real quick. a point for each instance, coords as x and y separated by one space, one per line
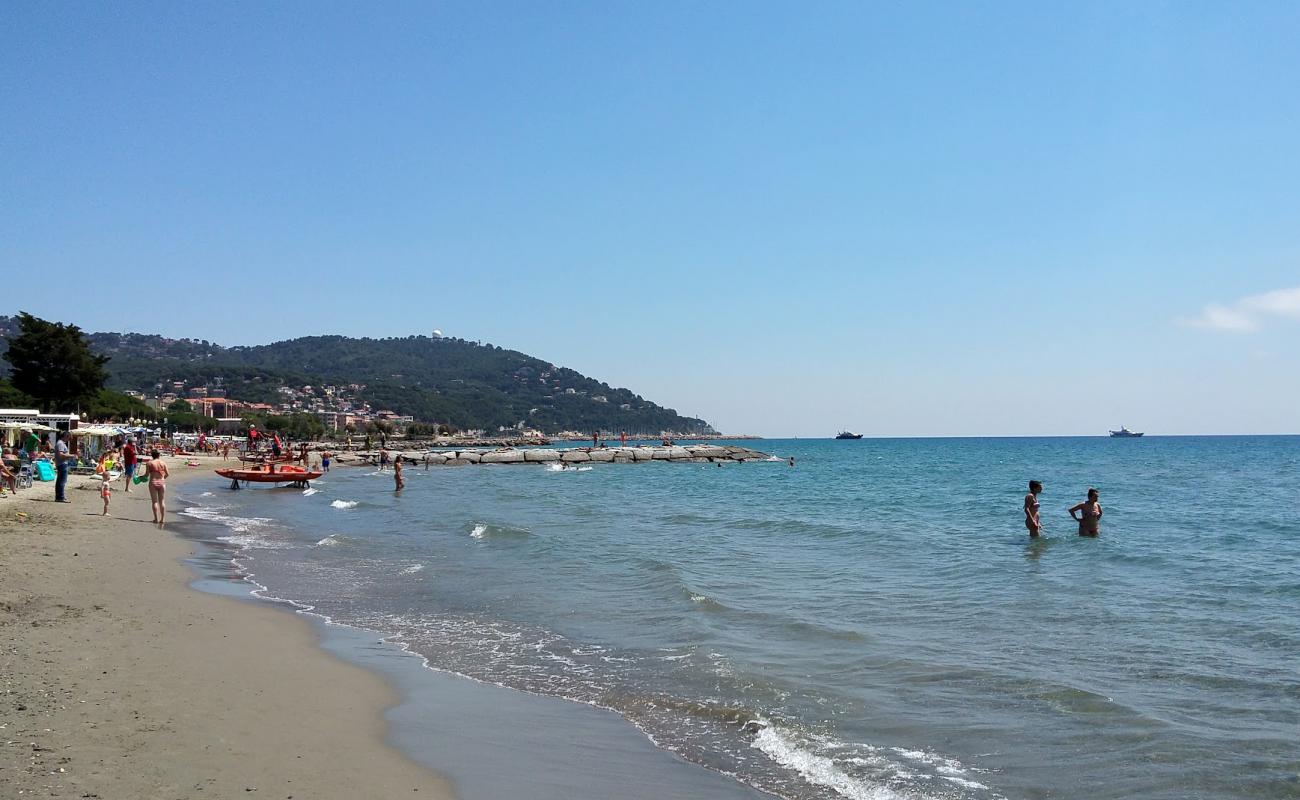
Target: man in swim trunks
128 463
1088 514
1032 521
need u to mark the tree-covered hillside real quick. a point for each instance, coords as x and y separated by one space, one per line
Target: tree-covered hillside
462 383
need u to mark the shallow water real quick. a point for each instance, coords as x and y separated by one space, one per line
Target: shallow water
877 611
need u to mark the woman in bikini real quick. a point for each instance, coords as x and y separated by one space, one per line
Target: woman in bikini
157 472
1088 514
1032 522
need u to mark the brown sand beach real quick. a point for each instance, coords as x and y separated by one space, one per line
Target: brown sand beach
119 681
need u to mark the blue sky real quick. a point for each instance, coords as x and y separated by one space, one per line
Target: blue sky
901 218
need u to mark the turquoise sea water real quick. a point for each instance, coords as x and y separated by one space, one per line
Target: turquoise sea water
872 623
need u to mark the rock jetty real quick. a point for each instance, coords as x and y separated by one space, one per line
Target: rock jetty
676 454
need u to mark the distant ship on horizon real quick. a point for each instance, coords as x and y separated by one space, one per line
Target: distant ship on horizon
851 435
1125 433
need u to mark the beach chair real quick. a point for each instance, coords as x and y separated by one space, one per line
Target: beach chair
25 476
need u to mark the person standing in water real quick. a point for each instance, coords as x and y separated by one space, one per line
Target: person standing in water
398 481
1088 514
1032 520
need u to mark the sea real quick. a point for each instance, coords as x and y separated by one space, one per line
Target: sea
871 622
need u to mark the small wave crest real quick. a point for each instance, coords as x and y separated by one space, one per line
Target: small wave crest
706 603
343 504
411 570
333 540
483 530
818 770
244 531
556 466
309 492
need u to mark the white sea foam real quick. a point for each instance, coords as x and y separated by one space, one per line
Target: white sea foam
309 492
329 541
556 466
950 769
479 531
344 504
411 570
816 769
206 494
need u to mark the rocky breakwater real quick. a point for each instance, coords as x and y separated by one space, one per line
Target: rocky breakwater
676 454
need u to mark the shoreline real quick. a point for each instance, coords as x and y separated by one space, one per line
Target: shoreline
121 680
490 740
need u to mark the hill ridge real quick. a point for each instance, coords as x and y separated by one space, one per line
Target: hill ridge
469 385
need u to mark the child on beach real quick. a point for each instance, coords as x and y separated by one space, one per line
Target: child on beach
105 491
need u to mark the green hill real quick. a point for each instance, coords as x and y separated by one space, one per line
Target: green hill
446 380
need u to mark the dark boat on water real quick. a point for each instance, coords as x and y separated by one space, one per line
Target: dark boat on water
1124 433
851 435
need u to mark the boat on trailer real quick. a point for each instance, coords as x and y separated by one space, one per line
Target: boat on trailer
270 473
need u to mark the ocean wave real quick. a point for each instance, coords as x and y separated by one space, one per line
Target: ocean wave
706 603
411 570
333 540
483 530
309 492
343 503
556 466
816 769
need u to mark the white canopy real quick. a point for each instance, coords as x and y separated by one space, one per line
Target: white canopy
24 426
97 430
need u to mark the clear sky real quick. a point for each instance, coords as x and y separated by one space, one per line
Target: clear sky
900 218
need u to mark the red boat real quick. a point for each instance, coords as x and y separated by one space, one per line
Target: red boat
269 473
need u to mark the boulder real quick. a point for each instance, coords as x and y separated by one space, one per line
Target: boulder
472 456
644 454
502 457
602 455
708 451
661 453
457 462
539 456
575 456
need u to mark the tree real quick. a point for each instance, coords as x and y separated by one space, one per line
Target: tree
53 363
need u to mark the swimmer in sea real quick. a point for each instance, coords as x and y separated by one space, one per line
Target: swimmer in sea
1088 514
1032 521
398 481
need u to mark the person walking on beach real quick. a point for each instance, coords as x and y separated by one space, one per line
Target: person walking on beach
1032 520
398 481
62 462
1088 514
128 463
157 471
